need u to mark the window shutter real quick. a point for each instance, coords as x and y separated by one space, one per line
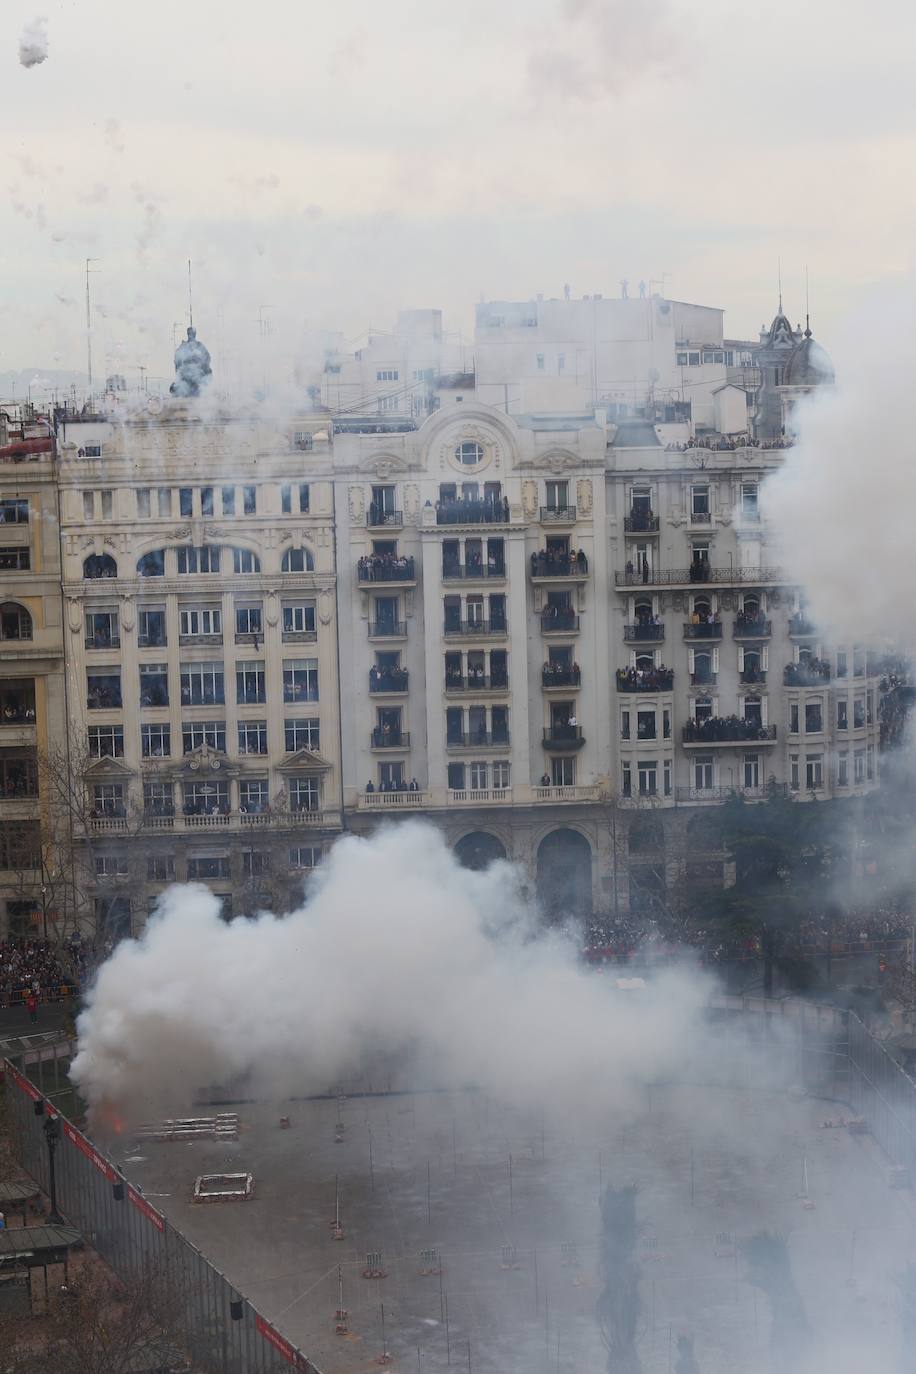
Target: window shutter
691 658
763 709
657 658
765 657
740 658
715 660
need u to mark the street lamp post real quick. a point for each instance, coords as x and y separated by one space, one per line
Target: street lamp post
52 1136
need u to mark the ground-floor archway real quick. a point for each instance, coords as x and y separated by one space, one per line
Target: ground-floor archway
478 850
564 874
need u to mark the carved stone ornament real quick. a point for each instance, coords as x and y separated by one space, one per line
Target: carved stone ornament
127 611
584 495
216 532
87 541
677 601
530 499
74 614
272 608
411 501
204 760
471 433
181 533
326 605
728 601
775 597
357 498
725 518
677 519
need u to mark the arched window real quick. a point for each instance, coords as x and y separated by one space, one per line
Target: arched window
152 564
15 621
564 874
469 453
478 850
244 561
298 560
100 565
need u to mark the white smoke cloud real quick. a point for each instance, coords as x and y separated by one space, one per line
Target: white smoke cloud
400 955
33 42
603 46
843 502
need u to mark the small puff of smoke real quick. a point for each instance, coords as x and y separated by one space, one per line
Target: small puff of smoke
33 42
399 955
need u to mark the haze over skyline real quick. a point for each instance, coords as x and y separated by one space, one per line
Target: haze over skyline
325 167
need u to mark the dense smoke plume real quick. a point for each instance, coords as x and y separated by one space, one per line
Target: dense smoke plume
843 501
33 42
400 956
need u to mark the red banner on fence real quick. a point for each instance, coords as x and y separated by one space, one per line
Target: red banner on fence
84 1147
143 1206
28 1088
282 1346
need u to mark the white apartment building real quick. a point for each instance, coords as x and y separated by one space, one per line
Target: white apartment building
390 375
201 641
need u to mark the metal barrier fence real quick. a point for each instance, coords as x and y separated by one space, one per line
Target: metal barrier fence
217 1326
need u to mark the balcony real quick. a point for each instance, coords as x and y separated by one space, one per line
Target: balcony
639 522
800 627
294 818
153 641
482 682
704 679
704 630
698 575
387 629
478 739
701 517
558 515
475 511
726 730
696 796
102 641
384 519
569 793
645 679
108 825
393 801
756 627
480 796
458 628
389 739
558 620
381 571
207 641
641 632
551 567
387 680
299 636
473 572
753 677
563 737
816 673
558 675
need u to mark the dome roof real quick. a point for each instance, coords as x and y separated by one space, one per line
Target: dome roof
809 365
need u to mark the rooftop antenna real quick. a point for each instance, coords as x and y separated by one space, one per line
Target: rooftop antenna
807 307
89 324
190 298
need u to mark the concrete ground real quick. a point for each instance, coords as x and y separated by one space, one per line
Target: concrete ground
711 1165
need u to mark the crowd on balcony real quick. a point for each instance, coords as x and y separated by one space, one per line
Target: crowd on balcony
399 786
706 624
473 510
809 672
387 679
642 521
638 572
751 623
558 617
385 567
559 563
714 728
700 570
561 674
719 444
475 565
655 679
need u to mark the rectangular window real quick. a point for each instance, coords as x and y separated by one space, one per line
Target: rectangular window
304 498
693 359
301 734
160 869
252 736
858 713
500 776
254 797
286 500
814 718
151 629
154 684
859 765
478 774
299 618
300 679
699 502
647 771
143 505
870 764
164 502
203 560
303 439
248 620
102 630
793 772
540 362
681 360
206 500
202 684
88 505
793 719
387 374
107 505
103 689
389 403
197 733
249 500
667 773
20 845
304 794
108 799
750 508
255 863
557 495
624 725
110 866
201 622
627 781
185 501
842 714
207 867
251 683
305 857
814 770
14 511
158 799
842 770
155 741
869 707
842 663
15 560
859 661
106 741
228 500
206 798
244 561
703 770
645 724
752 771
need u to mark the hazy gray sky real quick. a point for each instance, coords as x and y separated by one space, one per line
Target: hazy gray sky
330 163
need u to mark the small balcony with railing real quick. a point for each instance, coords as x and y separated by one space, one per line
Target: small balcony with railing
563 736
643 632
477 739
473 570
559 620
750 676
700 572
387 629
703 629
645 679
726 730
557 676
378 518
459 628
558 515
697 796
641 522
810 672
800 627
388 680
476 682
383 569
472 510
752 626
388 737
551 565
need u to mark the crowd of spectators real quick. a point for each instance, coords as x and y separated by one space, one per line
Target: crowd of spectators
723 728
719 444
559 563
385 567
808 672
28 965
473 510
656 679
